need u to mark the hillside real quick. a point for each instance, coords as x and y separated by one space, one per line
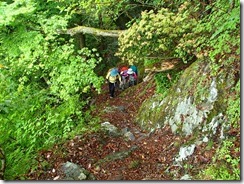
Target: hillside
182 122
123 150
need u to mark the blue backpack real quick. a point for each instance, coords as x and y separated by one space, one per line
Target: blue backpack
134 68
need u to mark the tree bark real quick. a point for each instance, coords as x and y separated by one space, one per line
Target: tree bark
93 31
82 42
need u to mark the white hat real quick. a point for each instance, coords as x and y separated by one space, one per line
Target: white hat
130 71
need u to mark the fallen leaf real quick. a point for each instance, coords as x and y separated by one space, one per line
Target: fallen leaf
89 166
57 177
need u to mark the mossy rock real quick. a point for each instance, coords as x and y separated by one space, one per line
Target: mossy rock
192 103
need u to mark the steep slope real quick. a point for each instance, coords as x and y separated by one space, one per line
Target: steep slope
142 146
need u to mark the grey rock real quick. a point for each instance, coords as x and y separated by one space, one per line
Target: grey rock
110 129
129 136
185 177
75 172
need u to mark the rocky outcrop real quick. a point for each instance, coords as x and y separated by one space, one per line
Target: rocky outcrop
194 107
195 103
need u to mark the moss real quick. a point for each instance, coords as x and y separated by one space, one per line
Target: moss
134 164
177 144
209 145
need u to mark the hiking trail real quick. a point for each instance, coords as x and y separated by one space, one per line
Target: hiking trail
142 156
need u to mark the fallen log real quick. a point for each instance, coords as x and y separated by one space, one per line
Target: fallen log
92 30
166 65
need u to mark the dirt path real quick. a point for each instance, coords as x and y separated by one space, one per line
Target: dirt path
147 157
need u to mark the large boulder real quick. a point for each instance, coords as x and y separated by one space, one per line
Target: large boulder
196 103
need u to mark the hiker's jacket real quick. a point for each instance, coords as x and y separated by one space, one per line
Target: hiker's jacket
124 73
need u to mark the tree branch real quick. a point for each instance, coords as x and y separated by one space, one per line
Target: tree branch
93 31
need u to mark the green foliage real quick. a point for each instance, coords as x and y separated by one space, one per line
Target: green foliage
42 90
225 166
234 107
163 83
217 172
156 35
30 122
99 13
10 12
187 32
217 34
75 74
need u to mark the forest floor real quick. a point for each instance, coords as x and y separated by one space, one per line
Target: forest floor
150 154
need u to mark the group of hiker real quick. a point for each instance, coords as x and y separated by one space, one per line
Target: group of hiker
122 77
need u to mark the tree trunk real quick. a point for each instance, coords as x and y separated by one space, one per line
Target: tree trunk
82 42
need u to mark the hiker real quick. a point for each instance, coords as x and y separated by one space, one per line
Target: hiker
134 68
112 78
132 78
124 75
